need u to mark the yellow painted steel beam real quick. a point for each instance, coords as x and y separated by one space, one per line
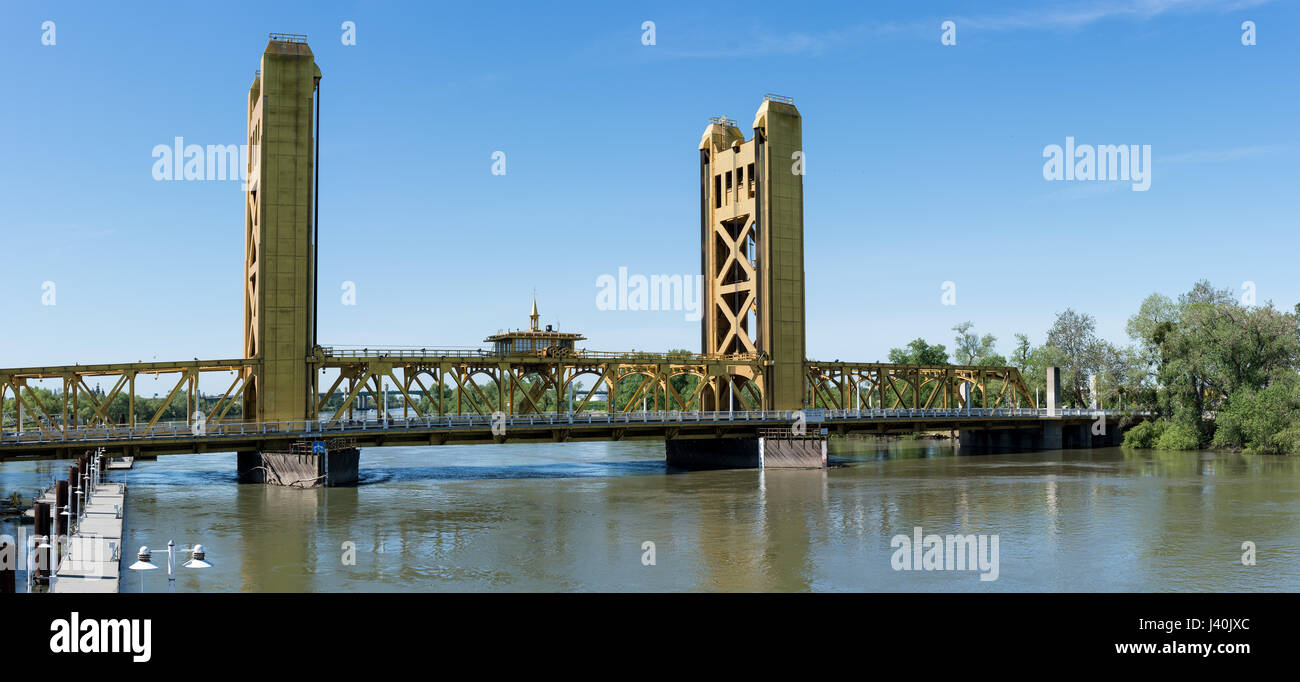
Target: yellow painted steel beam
405 396
168 400
352 395
59 371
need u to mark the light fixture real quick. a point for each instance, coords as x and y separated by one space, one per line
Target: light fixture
145 562
197 558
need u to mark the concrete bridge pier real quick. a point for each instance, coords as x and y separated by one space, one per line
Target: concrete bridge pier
1050 434
769 451
984 441
1053 437
326 469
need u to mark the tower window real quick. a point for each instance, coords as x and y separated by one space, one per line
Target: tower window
717 191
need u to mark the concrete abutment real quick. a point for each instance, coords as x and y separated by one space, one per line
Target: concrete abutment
799 452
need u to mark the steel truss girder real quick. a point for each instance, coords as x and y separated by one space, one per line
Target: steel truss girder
840 385
520 384
15 383
517 384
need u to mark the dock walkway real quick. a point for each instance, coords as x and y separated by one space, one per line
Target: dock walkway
93 561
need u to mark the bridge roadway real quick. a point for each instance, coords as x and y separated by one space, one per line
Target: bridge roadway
182 438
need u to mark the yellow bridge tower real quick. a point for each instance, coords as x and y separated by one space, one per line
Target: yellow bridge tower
279 247
751 229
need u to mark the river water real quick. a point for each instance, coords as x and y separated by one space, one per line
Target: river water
577 517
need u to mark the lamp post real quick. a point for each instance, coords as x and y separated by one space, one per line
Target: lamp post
75 520
62 539
32 563
198 559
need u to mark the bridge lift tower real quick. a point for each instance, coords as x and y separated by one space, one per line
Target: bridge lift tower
279 241
751 231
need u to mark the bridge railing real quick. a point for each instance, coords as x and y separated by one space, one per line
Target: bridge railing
309 429
331 352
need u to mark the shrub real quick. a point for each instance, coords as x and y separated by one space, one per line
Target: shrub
1265 421
1144 434
1179 435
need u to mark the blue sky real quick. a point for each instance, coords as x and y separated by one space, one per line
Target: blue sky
924 164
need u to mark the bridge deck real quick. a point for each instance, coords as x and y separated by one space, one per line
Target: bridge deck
180 438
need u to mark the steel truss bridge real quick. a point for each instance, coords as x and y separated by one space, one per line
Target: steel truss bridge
146 440
285 385
888 397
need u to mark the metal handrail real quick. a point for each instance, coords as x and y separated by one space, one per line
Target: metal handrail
332 352
309 427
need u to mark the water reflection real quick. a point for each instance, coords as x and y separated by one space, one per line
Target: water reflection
576 516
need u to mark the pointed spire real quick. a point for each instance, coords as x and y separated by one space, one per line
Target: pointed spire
533 317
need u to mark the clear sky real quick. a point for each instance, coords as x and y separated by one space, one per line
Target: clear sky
924 164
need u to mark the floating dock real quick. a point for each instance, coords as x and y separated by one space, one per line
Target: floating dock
93 560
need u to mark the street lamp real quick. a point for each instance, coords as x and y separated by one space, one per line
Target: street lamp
44 541
145 562
75 519
197 556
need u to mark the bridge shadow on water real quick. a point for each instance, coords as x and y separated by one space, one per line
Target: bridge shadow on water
377 475
151 475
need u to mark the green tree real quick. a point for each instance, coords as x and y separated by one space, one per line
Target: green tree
1208 347
919 352
972 349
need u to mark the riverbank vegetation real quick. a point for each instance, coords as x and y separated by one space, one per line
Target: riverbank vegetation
1215 370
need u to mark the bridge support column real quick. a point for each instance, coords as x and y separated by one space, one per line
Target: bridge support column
1053 397
993 441
1052 435
795 452
970 441
296 470
1114 436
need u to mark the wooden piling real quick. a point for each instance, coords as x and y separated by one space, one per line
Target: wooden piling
60 501
41 527
74 484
